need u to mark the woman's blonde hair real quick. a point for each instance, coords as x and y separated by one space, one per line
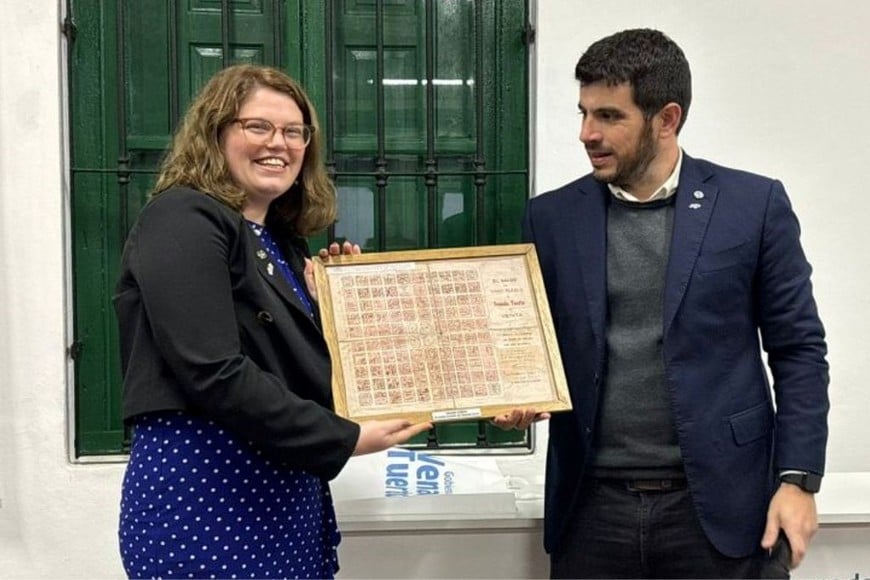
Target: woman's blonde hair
196 159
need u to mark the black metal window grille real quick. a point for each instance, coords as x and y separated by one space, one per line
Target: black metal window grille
117 93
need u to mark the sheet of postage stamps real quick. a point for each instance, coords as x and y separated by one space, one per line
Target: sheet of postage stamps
433 335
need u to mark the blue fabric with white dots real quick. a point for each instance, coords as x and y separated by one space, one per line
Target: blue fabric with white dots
197 503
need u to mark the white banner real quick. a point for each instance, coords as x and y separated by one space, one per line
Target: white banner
405 472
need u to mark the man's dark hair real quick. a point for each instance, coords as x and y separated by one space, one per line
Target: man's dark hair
653 65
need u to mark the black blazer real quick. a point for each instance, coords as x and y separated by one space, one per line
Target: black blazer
209 326
736 273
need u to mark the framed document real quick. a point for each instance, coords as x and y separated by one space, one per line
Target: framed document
440 335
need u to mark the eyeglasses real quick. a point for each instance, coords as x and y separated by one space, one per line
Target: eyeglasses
261 132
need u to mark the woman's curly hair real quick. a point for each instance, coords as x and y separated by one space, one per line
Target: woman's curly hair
196 159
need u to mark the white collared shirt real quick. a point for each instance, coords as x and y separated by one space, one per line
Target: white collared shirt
666 190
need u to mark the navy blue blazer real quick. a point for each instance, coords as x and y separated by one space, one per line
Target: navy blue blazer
736 273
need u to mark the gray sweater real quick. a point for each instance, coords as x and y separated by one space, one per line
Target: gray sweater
635 436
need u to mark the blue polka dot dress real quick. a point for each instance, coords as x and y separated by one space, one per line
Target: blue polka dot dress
197 503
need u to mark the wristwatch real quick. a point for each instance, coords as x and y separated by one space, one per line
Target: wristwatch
806 480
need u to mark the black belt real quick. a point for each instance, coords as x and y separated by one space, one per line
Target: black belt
643 485
655 484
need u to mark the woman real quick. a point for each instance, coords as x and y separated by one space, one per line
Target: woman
226 372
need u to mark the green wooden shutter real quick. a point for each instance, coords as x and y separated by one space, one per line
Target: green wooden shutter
96 233
417 165
134 67
427 136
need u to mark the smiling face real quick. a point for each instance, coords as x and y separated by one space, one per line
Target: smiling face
621 143
263 171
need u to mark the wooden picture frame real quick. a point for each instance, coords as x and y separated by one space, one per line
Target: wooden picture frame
440 335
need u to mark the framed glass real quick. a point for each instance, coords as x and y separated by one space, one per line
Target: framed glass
440 335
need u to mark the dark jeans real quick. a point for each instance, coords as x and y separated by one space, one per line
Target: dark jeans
619 533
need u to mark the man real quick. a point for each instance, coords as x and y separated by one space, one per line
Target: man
665 275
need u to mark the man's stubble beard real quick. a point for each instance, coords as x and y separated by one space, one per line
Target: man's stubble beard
632 169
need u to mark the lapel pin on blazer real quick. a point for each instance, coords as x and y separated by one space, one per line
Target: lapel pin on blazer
694 205
261 254
270 268
698 194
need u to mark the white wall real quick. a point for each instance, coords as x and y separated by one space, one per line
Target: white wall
56 519
780 88
799 113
